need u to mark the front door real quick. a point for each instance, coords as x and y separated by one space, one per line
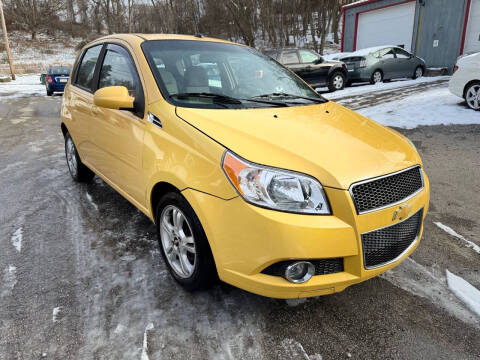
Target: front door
118 134
315 70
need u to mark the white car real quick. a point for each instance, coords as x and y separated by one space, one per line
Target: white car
465 82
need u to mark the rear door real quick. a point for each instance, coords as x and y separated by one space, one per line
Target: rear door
406 65
79 100
118 134
290 59
314 71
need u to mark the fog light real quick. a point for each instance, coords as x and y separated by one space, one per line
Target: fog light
299 272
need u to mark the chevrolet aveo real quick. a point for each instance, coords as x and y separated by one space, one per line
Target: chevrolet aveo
249 175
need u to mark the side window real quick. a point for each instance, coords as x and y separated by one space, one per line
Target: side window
289 57
86 69
402 54
116 71
308 56
387 53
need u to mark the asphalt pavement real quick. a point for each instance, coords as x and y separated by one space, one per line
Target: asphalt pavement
81 276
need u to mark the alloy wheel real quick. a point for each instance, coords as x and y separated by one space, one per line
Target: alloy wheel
338 82
377 77
71 157
178 242
473 97
418 72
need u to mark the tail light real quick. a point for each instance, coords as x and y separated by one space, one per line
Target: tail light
363 63
49 79
455 69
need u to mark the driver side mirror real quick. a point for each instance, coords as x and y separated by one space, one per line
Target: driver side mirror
114 97
319 61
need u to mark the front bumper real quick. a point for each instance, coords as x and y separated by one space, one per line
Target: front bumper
246 239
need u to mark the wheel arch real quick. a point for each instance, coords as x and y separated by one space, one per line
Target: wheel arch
467 85
158 191
64 129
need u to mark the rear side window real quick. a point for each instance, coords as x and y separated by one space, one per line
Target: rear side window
116 72
86 69
289 57
386 53
402 54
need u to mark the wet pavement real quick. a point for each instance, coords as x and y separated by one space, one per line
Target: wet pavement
81 276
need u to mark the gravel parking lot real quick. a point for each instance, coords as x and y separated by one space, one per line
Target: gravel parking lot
81 276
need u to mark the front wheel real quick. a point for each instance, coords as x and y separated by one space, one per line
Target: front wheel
183 243
418 73
377 77
78 170
472 96
336 82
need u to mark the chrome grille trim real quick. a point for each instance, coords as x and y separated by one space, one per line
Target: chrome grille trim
350 190
412 244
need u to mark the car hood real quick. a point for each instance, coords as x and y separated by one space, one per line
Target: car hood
335 145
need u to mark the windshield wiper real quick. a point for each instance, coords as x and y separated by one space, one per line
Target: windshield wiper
285 95
216 97
226 99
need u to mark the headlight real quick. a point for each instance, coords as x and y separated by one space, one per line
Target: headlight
275 188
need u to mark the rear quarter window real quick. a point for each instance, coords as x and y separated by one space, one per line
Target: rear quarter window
86 68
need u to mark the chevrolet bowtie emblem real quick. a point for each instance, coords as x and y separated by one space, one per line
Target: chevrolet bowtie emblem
402 212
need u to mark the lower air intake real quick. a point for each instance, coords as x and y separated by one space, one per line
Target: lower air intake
386 245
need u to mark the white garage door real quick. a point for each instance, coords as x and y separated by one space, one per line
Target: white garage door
472 37
389 26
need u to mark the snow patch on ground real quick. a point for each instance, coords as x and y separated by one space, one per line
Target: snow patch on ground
466 292
365 88
452 232
17 238
145 342
90 200
9 280
296 302
55 313
432 107
431 284
23 86
294 350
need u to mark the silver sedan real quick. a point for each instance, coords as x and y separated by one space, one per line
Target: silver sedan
382 63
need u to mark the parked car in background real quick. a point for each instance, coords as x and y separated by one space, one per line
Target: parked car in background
56 79
312 67
382 63
253 178
465 82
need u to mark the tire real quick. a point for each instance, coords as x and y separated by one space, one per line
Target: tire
418 73
472 95
78 170
49 93
336 82
193 270
377 77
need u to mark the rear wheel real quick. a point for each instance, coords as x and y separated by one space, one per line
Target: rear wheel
337 81
472 96
377 77
49 93
418 73
183 243
77 169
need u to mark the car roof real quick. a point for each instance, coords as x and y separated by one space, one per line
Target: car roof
367 51
140 38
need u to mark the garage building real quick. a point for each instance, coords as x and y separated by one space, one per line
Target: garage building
436 30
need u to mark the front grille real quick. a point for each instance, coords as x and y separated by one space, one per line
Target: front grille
387 244
386 190
322 266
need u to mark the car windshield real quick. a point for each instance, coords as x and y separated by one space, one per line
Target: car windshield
59 70
220 75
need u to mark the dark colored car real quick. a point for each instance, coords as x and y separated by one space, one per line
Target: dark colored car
382 63
56 79
312 68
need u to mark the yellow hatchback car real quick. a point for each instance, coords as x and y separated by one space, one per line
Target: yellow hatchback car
249 175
